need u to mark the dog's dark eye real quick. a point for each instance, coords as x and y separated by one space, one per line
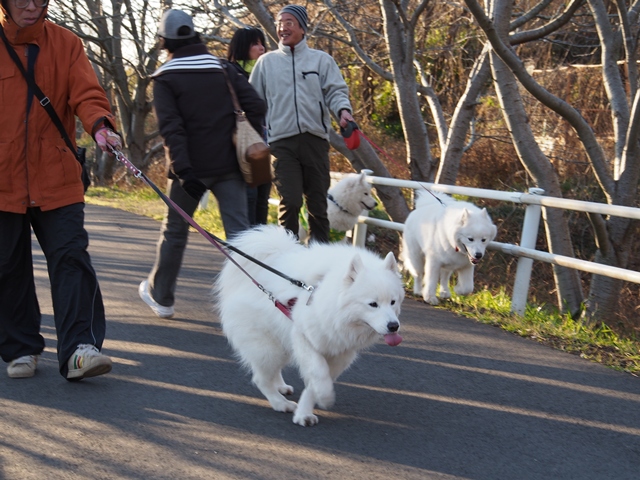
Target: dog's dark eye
374 304
484 240
393 302
470 239
366 194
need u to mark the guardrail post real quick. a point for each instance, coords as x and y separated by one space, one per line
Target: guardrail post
360 229
527 240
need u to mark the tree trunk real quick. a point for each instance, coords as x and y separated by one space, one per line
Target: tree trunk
365 157
462 117
569 291
399 40
602 303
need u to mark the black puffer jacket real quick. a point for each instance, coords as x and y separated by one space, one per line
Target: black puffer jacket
195 112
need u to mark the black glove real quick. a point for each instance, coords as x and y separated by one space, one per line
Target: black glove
190 184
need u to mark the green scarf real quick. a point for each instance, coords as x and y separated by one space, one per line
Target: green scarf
247 65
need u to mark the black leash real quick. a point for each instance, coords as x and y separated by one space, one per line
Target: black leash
216 241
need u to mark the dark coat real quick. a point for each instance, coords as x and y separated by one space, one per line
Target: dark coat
195 113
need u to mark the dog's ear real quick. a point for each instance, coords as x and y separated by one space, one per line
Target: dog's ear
390 262
355 267
464 217
486 216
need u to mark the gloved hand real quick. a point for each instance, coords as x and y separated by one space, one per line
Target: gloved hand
190 184
106 137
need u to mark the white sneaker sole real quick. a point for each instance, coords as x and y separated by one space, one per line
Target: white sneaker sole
159 310
102 366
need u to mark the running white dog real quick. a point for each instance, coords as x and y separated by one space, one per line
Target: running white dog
442 238
347 200
356 300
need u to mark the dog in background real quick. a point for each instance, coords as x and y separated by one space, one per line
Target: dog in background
442 236
356 300
346 201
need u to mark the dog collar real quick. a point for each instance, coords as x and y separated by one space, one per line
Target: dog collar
342 209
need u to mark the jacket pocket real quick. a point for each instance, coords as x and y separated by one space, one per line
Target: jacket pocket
8 96
7 163
324 126
58 166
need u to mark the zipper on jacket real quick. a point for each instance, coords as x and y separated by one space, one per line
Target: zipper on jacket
295 90
31 60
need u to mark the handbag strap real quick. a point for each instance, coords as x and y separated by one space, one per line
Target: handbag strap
35 89
234 97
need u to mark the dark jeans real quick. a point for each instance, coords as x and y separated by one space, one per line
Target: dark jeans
78 310
230 192
258 204
302 169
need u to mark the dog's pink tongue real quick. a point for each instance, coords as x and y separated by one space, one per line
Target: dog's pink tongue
392 339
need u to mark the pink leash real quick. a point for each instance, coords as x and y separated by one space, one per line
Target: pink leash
215 241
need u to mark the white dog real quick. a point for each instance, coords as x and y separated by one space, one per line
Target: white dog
347 200
356 300
442 238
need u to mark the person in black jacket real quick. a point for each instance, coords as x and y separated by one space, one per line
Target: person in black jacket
246 46
196 120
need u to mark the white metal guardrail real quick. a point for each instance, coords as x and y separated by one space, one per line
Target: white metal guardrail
525 252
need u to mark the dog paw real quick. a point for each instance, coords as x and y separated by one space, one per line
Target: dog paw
463 290
446 294
308 420
284 405
431 299
285 389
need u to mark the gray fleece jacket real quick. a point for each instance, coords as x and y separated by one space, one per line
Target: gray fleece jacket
301 86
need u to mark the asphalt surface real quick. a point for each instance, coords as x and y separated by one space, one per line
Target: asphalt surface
456 400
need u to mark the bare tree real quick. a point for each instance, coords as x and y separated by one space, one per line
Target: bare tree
618 183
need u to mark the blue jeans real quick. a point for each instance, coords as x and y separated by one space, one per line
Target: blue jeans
230 192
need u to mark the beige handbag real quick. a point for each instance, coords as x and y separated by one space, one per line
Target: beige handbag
254 156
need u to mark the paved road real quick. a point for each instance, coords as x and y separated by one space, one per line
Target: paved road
455 400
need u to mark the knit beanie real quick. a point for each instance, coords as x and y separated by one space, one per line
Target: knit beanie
299 12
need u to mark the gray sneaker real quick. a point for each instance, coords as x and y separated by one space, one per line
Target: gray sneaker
87 361
160 310
23 367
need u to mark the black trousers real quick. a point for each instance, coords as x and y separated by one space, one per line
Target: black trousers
77 302
302 170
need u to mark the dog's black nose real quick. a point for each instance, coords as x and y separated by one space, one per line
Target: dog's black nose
478 255
393 326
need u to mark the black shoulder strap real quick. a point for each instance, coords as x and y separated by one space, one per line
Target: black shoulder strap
33 87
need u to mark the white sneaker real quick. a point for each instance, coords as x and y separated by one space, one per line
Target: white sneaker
23 367
87 361
159 310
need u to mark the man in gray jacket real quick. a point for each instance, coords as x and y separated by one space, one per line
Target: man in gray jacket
301 86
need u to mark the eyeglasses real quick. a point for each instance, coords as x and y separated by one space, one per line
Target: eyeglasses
25 3
286 24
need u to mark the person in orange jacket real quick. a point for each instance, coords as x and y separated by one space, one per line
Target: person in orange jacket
41 189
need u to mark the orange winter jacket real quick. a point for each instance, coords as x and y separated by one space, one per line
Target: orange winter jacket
36 167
